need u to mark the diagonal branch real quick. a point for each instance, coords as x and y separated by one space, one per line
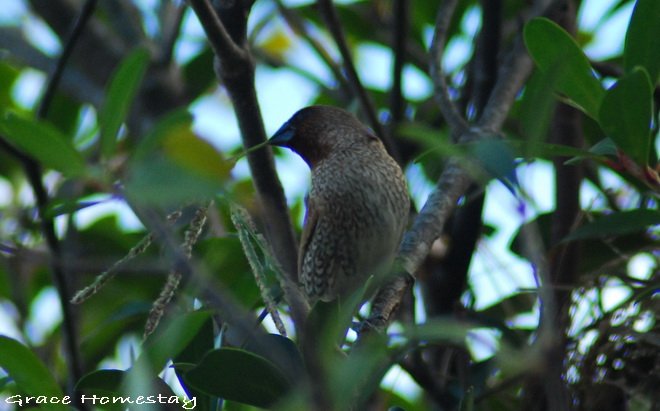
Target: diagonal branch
33 172
512 76
293 20
454 180
222 44
399 37
449 110
514 71
487 52
53 83
171 26
329 14
235 70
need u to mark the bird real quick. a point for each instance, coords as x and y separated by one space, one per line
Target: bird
357 207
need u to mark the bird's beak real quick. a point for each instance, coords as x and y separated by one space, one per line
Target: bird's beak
283 136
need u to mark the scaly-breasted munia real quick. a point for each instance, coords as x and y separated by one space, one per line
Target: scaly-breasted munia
357 208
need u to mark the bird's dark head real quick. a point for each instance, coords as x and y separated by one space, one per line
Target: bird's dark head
315 132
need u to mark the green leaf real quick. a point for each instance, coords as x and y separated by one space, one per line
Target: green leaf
555 51
29 373
189 151
169 341
193 353
103 336
61 207
176 120
352 380
63 113
497 159
118 388
172 165
537 106
445 330
642 39
43 142
140 383
616 224
161 182
196 72
105 383
282 351
224 256
551 151
239 375
595 252
434 140
604 147
8 74
102 382
121 92
627 113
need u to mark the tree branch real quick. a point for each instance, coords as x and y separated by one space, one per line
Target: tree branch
446 277
399 38
431 219
97 52
293 20
449 110
56 76
34 175
222 44
513 74
329 14
125 18
171 22
244 325
515 70
235 70
486 56
73 82
454 180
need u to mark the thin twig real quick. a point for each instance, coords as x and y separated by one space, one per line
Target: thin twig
486 55
54 81
515 70
174 278
33 171
448 108
200 282
125 19
171 28
34 174
329 14
102 279
399 38
465 227
513 74
294 21
222 44
431 219
247 233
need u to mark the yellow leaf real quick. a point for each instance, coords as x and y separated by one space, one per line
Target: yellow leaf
193 153
276 44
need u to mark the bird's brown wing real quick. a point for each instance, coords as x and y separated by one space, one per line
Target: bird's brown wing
309 225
